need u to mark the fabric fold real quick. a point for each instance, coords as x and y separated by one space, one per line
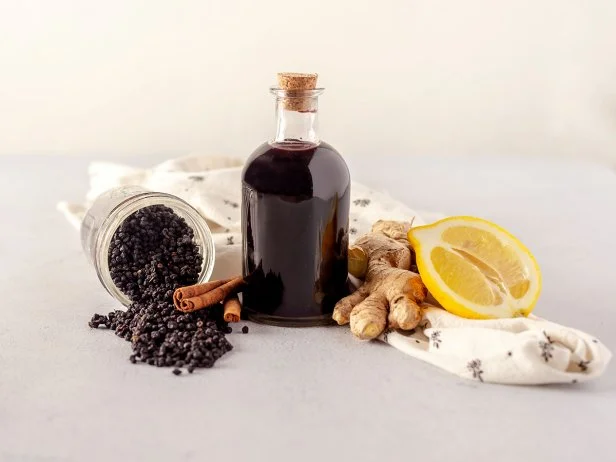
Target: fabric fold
513 351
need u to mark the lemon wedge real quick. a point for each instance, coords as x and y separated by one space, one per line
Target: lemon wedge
476 269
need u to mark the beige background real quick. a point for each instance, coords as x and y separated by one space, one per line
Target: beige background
532 77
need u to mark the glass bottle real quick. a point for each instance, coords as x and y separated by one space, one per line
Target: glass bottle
112 207
295 214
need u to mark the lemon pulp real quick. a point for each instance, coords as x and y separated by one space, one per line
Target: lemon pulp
475 268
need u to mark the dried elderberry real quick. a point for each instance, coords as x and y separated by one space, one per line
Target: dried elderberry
151 254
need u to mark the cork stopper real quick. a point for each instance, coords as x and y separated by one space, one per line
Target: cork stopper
294 82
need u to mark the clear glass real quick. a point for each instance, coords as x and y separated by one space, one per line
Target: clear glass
297 115
111 208
295 217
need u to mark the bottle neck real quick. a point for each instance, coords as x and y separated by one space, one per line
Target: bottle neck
297 118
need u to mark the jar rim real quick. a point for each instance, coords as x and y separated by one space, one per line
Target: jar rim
203 235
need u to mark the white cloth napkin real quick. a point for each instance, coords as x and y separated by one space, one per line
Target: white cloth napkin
514 351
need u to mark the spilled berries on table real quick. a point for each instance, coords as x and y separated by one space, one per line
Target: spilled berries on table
151 254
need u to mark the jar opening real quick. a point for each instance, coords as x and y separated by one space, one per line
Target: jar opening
114 217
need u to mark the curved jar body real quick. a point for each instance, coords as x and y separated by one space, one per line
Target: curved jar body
111 208
295 212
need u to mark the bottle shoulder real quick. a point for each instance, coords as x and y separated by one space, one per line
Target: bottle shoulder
297 169
271 154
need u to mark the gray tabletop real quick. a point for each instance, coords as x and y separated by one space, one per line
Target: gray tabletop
70 393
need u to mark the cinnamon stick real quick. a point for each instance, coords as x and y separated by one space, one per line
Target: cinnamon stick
232 309
195 290
216 295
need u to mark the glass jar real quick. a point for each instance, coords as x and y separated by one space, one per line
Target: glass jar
111 208
295 219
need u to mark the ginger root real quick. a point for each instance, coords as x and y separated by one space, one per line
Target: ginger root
391 294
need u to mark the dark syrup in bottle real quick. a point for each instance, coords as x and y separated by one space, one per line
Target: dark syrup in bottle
295 214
